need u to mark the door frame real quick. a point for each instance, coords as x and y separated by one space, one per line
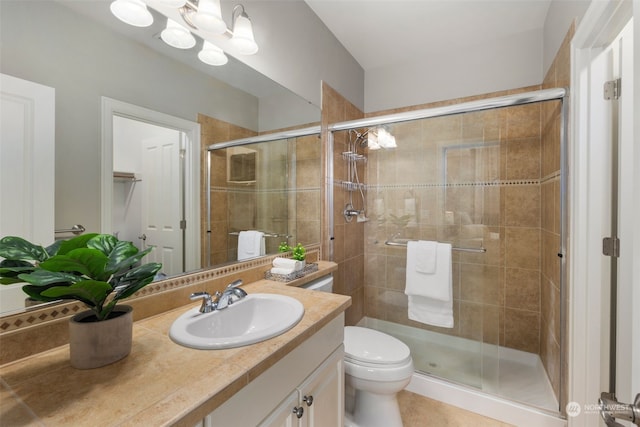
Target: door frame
588 201
191 130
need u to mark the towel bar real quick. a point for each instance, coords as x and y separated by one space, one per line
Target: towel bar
76 229
236 233
453 248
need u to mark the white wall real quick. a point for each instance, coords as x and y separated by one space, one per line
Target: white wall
298 51
559 17
506 63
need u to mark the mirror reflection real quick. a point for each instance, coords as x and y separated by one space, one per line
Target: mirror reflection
272 188
84 54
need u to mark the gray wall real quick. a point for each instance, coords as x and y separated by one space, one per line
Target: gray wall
298 51
46 43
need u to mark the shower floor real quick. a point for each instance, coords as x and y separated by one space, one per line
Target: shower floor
508 373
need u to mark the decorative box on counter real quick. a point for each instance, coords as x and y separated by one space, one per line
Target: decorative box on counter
309 268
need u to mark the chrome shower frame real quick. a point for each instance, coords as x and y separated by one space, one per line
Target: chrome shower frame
554 94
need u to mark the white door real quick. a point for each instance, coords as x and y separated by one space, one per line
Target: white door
27 156
605 336
162 204
627 372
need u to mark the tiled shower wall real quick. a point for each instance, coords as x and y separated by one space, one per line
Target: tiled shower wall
213 131
348 242
286 192
550 351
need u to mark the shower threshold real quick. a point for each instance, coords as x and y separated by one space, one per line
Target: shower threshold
507 373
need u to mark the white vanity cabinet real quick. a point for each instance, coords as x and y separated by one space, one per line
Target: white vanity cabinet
317 402
313 370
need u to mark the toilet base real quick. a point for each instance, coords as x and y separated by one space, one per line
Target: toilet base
374 410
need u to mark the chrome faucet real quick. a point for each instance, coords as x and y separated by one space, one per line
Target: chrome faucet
231 294
222 300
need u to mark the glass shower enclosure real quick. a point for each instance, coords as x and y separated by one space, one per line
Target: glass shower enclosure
488 177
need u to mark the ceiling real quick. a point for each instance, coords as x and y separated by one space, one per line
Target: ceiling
378 33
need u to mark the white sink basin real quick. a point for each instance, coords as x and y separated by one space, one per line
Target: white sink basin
255 318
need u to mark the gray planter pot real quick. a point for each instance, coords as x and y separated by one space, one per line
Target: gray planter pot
96 344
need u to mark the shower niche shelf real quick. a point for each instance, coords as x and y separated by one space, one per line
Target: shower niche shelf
126 177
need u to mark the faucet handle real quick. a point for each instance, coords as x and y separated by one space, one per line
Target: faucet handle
235 284
207 303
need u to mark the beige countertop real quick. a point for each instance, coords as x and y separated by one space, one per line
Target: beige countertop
160 382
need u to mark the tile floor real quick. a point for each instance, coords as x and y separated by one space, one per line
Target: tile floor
419 411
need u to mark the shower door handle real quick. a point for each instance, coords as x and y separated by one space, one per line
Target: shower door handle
610 409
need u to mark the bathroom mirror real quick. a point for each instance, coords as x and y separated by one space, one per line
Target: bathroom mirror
82 51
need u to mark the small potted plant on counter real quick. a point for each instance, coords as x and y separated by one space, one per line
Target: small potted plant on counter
298 252
96 269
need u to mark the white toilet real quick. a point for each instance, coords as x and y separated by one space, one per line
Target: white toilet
377 366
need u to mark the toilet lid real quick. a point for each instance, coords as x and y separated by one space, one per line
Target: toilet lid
371 346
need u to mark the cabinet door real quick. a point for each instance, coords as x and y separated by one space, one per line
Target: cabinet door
322 394
284 415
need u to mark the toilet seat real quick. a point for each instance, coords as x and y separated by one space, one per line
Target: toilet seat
368 347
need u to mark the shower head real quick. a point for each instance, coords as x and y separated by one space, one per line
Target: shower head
361 138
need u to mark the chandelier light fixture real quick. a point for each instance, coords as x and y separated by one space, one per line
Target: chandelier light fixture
202 15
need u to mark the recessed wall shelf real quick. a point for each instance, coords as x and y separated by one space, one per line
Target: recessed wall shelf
125 176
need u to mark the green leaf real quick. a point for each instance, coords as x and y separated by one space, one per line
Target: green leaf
34 292
105 243
136 279
124 255
47 278
91 292
67 246
10 269
123 265
16 248
86 261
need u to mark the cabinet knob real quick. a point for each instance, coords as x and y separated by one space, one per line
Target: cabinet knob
308 400
299 411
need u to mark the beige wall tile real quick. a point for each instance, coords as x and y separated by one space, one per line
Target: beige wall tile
522 205
522 289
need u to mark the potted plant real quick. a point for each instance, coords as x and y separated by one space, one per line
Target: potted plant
298 252
96 269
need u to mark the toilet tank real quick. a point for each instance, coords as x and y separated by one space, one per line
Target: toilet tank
323 284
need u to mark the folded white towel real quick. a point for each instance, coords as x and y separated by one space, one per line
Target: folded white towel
430 311
283 271
294 264
426 254
437 285
250 244
430 295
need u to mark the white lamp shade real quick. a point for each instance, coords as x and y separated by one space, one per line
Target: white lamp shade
243 36
209 17
173 3
175 35
132 12
212 54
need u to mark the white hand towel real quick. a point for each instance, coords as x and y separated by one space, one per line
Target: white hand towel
250 244
436 285
431 312
280 270
431 295
293 264
425 254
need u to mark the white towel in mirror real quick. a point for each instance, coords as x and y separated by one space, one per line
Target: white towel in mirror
250 244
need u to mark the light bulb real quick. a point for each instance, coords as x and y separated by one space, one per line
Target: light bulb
177 36
132 12
209 17
212 54
243 35
173 3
